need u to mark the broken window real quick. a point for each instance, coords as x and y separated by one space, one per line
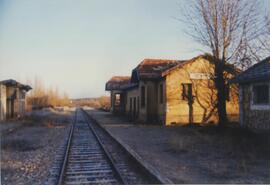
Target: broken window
261 94
117 99
22 94
143 96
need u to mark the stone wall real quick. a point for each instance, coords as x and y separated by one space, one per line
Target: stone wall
153 111
258 119
251 118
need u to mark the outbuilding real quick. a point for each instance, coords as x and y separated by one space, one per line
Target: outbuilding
12 99
254 95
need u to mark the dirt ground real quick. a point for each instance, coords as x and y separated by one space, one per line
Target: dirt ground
28 146
194 154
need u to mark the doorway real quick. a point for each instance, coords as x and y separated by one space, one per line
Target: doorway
134 108
10 108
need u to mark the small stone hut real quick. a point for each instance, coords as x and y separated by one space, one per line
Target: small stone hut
12 99
254 95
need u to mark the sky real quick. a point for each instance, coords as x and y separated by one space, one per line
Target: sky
78 45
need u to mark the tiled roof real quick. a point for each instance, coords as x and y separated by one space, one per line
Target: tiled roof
153 68
118 83
14 83
258 72
228 67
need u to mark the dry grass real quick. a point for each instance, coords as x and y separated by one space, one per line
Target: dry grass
222 153
50 121
40 97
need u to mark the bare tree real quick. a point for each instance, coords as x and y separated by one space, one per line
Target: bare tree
265 41
41 97
228 29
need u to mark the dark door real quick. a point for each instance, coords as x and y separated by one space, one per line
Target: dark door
130 108
152 103
134 108
10 108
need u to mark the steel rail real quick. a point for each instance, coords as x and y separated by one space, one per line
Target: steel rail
116 171
155 177
113 165
64 164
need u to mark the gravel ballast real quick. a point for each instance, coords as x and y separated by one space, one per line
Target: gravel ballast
28 152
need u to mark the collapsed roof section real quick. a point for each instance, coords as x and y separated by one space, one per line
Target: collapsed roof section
152 69
119 83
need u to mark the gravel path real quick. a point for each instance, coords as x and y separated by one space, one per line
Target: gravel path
28 153
196 154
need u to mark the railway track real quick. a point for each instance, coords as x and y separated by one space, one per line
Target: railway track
92 156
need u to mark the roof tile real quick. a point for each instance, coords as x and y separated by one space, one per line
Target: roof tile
258 72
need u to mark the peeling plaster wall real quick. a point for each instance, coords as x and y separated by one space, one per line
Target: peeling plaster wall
250 117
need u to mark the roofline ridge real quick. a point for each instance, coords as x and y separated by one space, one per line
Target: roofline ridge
161 59
120 76
254 65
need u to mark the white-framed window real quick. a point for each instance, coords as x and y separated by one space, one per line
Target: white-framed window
260 96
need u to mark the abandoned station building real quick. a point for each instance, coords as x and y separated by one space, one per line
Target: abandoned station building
254 95
12 99
118 86
171 92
